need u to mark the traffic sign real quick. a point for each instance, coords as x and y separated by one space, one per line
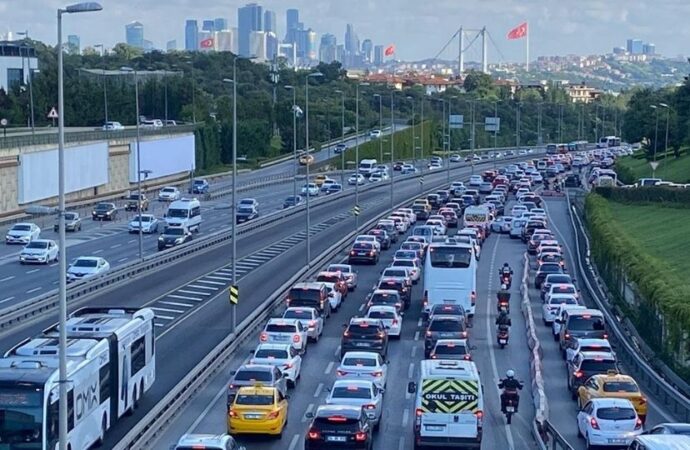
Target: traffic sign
53 113
3 122
234 294
356 210
421 180
654 164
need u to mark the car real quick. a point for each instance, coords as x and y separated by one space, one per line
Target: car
356 178
72 222
435 166
364 335
199 186
363 366
417 247
402 285
338 427
87 267
370 238
375 133
251 374
559 316
555 278
293 200
364 252
112 126
670 428
413 265
560 288
390 316
151 123
451 349
613 386
608 422
362 393
252 202
376 177
136 201
169 194
535 239
173 236
573 180
310 188
587 345
550 257
335 298
502 224
283 356
455 158
476 180
516 227
340 147
149 224
321 179
245 213
207 442
552 303
22 233
443 309
348 272
337 278
104 211
334 188
43 251
282 331
384 297
306 159
258 409
438 225
443 327
586 364
450 216
390 228
382 237
309 317
485 187
407 169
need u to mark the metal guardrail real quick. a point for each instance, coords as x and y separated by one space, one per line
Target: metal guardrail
677 403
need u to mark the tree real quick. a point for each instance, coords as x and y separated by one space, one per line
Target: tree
127 52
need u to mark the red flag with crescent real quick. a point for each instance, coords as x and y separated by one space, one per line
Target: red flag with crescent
206 43
390 50
518 32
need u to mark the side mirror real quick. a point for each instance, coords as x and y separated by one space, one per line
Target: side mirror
232 372
411 387
287 396
388 361
251 352
309 415
344 325
165 215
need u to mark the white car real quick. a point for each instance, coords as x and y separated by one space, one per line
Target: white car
370 240
552 303
363 366
608 422
310 318
283 356
476 180
375 133
312 188
250 202
327 183
285 331
358 393
389 315
561 288
518 210
112 126
376 177
587 345
414 267
22 233
348 271
435 166
537 178
168 194
356 178
439 227
400 226
335 298
39 251
455 158
411 215
149 224
87 267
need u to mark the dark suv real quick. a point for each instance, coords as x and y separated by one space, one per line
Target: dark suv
420 211
363 252
402 285
381 236
133 203
545 269
338 427
104 211
364 335
587 364
199 186
443 327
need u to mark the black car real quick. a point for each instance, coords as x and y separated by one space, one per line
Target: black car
420 212
173 236
363 252
573 180
390 229
586 364
528 230
402 285
551 172
334 188
368 335
246 213
382 237
434 200
104 211
339 427
545 269
444 196
475 195
443 327
398 165
293 200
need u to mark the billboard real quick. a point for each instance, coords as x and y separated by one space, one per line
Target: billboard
163 157
492 124
456 121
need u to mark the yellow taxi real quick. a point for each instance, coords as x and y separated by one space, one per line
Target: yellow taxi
258 410
423 202
319 179
305 159
613 385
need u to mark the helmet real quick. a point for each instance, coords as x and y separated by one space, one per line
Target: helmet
505 264
510 373
504 287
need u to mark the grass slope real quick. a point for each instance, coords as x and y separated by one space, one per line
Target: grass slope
669 169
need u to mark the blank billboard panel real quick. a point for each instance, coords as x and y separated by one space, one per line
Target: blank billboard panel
86 166
163 157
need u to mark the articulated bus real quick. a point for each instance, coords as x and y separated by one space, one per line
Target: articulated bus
450 276
110 364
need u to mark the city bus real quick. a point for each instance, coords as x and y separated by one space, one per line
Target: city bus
450 276
609 141
577 146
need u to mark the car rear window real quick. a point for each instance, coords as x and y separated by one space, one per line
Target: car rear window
448 309
450 349
280 328
363 330
598 365
253 375
262 400
359 392
305 294
620 386
297 314
446 325
362 246
271 353
337 424
381 315
361 362
582 323
328 278
614 413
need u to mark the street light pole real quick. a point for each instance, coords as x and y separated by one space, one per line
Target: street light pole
421 131
357 150
447 119
392 150
381 125
656 134
342 137
294 139
306 118
105 87
62 256
668 111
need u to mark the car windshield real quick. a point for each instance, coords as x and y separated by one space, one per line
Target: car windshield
258 400
103 206
245 210
613 413
450 349
620 386
297 314
280 328
21 228
36 244
445 325
247 201
403 254
70 216
381 315
174 232
598 365
253 375
271 353
143 219
178 213
85 263
198 182
168 190
359 392
549 267
582 323
450 257
360 362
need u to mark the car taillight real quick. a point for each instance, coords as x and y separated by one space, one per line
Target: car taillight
288 366
606 335
464 334
638 423
313 434
340 373
566 335
395 321
578 374
296 338
370 407
593 422
381 334
312 323
352 252
428 333
346 334
233 414
378 373
480 418
264 336
273 414
360 436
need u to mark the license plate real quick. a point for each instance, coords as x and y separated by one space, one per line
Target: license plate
510 409
434 427
336 438
362 253
502 341
361 344
617 441
252 416
280 337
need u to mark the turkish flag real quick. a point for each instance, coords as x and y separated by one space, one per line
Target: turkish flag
518 32
206 43
389 50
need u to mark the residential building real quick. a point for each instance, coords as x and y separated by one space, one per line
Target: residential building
171 46
220 24
249 19
270 21
16 62
73 44
258 47
135 34
378 55
581 93
368 51
191 35
327 48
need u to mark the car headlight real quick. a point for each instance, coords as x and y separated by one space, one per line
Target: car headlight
160 239
179 240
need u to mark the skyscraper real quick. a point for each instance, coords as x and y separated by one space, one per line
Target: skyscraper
208 25
249 18
635 46
270 21
73 44
327 48
292 16
226 40
378 55
134 33
220 24
649 49
258 45
310 45
191 36
367 49
351 40
271 45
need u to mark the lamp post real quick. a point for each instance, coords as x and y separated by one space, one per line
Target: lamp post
31 76
62 407
668 112
342 137
105 88
306 119
421 130
414 153
392 151
357 150
381 125
656 135
294 138
450 104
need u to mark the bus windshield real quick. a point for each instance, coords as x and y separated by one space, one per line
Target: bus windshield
21 417
450 257
178 213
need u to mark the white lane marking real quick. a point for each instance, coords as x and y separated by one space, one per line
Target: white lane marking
34 290
159 324
329 367
131 241
213 277
224 271
184 305
414 351
116 246
318 390
6 299
206 410
176 311
336 353
193 292
361 307
419 322
294 442
211 282
54 264
123 259
32 271
7 278
410 370
310 408
490 336
401 443
184 297
95 252
416 335
164 317
405 417
195 286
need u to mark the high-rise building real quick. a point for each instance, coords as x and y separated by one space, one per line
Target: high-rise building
220 24
134 33
340 53
208 25
73 44
327 48
351 40
258 45
148 46
206 38
649 49
367 50
271 45
292 16
249 19
310 45
171 46
378 55
270 21
191 36
635 46
225 41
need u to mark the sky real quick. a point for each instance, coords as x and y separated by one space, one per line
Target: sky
418 28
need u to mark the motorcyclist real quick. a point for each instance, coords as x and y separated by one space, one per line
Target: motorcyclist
503 319
502 296
510 388
505 270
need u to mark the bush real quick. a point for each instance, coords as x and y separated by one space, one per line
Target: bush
676 197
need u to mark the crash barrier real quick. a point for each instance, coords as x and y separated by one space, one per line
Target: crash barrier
627 350
550 193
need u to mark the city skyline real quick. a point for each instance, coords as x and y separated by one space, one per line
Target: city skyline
417 32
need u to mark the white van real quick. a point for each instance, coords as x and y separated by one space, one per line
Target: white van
367 166
449 404
477 216
186 213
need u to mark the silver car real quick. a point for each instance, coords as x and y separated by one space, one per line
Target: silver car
363 366
364 393
348 271
251 374
149 224
310 319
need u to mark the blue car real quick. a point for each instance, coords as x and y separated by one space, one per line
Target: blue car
334 188
199 186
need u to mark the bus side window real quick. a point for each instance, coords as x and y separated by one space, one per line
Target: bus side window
70 410
196 211
104 373
138 350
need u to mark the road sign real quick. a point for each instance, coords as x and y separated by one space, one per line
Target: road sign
53 113
492 124
421 180
234 294
3 122
456 121
654 164
356 210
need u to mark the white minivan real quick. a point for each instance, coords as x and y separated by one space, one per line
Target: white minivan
185 213
367 166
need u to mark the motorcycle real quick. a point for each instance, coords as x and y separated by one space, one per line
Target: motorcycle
506 280
503 303
502 335
510 406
